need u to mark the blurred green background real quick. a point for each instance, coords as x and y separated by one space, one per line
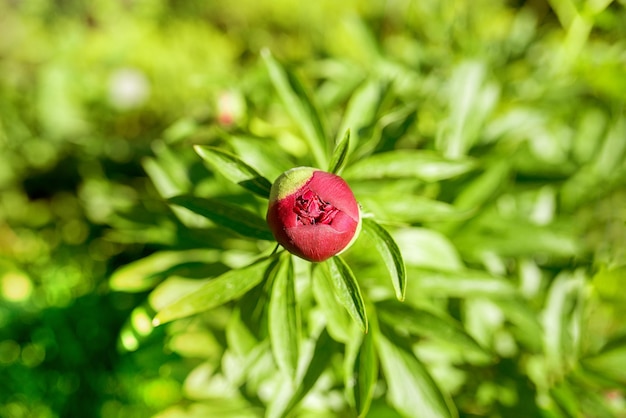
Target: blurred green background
90 91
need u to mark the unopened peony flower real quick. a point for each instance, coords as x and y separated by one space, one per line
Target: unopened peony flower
312 213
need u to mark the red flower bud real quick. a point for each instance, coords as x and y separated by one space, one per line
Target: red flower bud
312 213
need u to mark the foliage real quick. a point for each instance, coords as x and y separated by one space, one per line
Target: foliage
486 147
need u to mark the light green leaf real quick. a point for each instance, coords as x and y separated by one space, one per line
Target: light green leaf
412 390
483 188
337 319
461 284
283 327
347 290
609 362
299 106
411 208
361 370
224 288
390 253
230 216
427 324
423 165
147 272
561 327
427 248
324 349
340 153
235 170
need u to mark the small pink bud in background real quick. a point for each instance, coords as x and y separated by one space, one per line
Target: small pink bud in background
312 213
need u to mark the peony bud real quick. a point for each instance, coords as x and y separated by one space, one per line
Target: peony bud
312 213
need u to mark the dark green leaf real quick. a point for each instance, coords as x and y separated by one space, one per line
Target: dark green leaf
283 327
235 170
299 106
229 286
340 153
230 216
347 290
423 165
390 253
411 388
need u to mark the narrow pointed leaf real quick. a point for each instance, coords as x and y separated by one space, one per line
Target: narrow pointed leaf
224 288
338 321
340 154
361 371
347 290
230 216
283 318
412 390
390 253
324 349
235 170
423 165
299 106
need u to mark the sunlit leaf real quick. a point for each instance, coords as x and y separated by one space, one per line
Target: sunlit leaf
340 153
412 390
229 286
427 248
325 348
347 290
361 370
283 326
560 341
235 170
145 273
227 215
299 106
421 165
338 321
389 251
427 324
464 283
362 108
411 208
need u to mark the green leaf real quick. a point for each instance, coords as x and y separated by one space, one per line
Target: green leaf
428 324
411 208
561 327
147 272
347 290
390 253
283 327
324 349
412 390
338 321
299 106
224 288
423 165
461 284
230 216
340 153
427 248
235 170
361 370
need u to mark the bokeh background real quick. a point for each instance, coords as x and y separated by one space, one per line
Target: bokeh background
91 90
